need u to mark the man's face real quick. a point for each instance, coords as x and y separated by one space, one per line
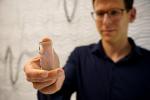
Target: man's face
113 21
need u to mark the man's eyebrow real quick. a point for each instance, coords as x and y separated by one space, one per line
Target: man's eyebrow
100 11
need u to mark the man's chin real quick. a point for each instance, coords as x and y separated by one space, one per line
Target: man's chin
107 39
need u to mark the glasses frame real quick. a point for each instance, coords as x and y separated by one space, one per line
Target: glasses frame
117 14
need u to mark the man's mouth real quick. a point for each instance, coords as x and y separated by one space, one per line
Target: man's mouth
108 31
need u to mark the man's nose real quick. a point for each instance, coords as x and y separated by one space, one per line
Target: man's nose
106 19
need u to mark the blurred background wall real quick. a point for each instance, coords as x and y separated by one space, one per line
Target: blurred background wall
67 22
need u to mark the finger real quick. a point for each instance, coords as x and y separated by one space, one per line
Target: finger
35 80
36 75
41 85
33 63
49 89
32 69
54 87
52 75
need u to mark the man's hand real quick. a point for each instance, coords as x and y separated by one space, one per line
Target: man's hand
47 82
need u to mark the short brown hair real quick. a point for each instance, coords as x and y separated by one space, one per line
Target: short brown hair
128 4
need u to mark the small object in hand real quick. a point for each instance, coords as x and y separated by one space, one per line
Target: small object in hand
49 59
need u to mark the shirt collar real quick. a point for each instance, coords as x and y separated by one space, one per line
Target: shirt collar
135 49
99 51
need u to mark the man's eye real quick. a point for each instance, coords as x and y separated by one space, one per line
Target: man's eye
113 13
100 14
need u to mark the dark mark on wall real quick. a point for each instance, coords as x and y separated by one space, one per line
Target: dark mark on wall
8 62
70 16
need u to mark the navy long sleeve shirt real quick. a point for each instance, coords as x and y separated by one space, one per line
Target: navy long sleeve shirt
94 76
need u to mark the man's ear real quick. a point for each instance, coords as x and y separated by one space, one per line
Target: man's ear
132 15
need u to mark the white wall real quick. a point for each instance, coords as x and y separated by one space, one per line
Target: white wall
24 22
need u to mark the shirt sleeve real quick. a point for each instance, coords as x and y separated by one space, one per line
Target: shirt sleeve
70 82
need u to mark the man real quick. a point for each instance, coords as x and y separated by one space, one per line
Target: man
113 69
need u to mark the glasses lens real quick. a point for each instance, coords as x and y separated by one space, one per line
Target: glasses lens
114 14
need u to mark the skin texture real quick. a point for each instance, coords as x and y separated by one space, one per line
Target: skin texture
114 32
50 77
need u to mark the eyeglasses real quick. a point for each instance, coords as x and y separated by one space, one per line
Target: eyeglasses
113 14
